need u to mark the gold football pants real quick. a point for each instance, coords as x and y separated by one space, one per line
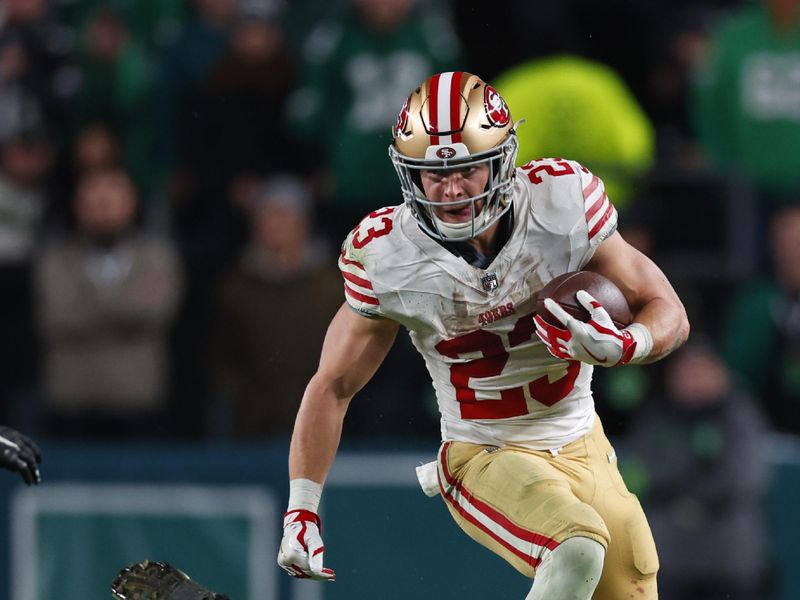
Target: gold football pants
522 503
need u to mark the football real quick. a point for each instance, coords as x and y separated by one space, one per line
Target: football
563 290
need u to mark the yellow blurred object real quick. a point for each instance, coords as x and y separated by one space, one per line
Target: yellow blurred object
582 110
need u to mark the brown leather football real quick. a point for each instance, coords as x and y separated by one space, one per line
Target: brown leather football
563 288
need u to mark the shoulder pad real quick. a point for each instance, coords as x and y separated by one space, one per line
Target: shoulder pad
360 259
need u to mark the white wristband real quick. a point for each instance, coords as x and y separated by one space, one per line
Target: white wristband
644 341
304 494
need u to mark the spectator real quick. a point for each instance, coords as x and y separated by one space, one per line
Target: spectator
151 22
117 90
36 78
766 313
674 62
107 295
183 71
246 90
19 106
183 68
747 111
94 147
355 69
241 135
584 110
273 310
699 455
25 162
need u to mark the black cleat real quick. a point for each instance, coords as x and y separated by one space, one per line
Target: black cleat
158 581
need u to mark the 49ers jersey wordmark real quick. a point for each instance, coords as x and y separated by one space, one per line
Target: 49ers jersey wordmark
495 382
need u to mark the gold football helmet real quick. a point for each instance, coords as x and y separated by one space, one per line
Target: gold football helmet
455 120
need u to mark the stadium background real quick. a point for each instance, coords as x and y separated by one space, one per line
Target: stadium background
240 121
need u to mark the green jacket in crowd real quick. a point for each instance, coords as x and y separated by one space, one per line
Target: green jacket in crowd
747 101
353 87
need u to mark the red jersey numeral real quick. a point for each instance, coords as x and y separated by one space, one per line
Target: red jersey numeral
512 401
362 238
491 364
554 169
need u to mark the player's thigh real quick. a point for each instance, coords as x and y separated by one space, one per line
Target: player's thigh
513 502
631 562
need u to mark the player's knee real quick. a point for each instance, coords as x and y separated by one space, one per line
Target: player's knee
570 572
583 556
581 520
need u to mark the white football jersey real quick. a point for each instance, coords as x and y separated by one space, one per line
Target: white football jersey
495 381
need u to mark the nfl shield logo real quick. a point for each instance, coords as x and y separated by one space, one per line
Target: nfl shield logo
489 282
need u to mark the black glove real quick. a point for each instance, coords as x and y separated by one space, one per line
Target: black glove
158 581
19 453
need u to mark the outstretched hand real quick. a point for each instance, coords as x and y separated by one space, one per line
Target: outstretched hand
19 453
301 552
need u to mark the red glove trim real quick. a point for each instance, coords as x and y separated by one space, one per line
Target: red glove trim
302 515
628 347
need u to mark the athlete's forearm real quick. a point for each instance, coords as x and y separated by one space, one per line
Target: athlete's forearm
666 320
317 431
649 293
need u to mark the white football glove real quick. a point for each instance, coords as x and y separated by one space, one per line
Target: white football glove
302 549
597 342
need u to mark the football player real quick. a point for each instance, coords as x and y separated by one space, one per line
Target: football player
21 454
524 466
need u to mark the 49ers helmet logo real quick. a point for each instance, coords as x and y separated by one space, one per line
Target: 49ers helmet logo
496 108
402 118
445 152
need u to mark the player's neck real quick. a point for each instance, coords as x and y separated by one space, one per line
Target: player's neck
481 250
487 242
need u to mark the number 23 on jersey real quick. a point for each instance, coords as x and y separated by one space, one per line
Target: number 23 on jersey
492 363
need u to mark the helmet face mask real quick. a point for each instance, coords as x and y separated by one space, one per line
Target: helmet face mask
455 121
486 207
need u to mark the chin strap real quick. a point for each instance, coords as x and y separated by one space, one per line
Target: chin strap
460 230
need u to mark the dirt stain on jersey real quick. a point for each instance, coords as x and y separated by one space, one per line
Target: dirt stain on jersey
460 318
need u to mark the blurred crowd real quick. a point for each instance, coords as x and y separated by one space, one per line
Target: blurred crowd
176 177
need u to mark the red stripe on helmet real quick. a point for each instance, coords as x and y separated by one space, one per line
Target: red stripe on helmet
455 105
433 108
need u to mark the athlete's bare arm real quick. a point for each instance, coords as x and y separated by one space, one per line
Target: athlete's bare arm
354 348
650 295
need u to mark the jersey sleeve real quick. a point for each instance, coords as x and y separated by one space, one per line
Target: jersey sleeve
569 200
600 214
358 289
